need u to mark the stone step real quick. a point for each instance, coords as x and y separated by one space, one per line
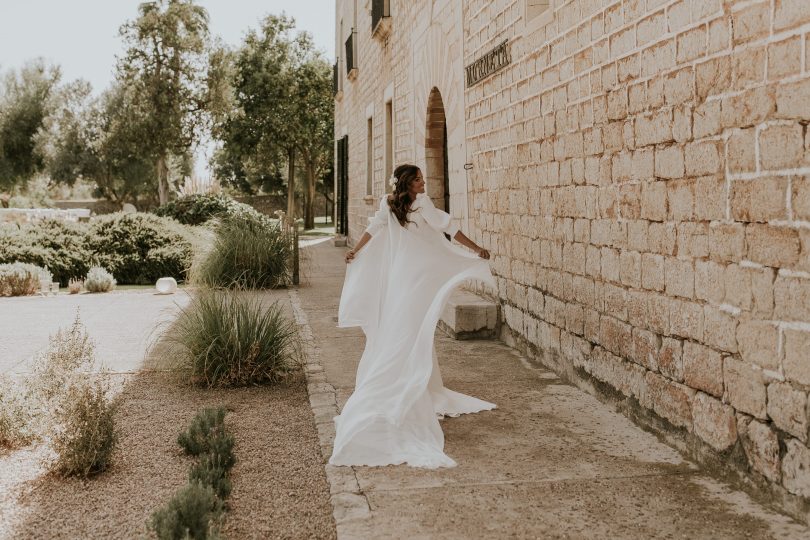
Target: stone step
469 316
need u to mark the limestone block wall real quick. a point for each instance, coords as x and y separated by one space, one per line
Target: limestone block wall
642 177
422 52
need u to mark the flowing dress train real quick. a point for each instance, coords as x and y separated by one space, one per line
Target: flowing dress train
395 289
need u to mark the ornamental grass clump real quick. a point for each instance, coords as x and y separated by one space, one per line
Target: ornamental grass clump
99 280
22 279
249 252
229 338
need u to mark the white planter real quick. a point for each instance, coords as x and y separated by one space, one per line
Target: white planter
166 285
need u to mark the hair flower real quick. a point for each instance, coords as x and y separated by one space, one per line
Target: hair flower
392 181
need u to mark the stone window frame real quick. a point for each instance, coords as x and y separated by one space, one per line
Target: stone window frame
539 21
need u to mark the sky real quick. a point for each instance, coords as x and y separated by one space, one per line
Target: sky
82 35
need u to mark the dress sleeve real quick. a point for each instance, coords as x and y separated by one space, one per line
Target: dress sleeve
378 220
438 219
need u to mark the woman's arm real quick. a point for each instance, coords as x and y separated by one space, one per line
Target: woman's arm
362 242
464 241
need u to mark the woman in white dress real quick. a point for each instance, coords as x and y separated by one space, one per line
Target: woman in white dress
401 273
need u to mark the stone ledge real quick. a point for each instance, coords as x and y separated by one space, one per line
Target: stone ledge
469 316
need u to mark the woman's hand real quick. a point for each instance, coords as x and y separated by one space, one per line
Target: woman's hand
350 256
484 254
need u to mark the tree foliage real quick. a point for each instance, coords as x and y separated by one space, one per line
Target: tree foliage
282 109
102 140
25 102
166 69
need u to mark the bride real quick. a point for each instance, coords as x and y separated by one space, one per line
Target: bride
402 272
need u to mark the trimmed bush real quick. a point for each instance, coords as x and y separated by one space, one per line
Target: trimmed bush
249 252
228 338
140 248
195 440
197 209
191 513
54 244
99 280
22 279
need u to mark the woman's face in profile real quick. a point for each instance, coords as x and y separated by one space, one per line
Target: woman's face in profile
418 185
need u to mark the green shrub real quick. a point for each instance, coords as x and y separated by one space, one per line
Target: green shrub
210 471
195 440
140 248
220 451
196 209
249 252
99 280
70 406
228 338
191 513
15 422
22 279
207 438
55 244
88 436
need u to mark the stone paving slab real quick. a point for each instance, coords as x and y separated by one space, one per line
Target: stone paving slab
551 461
131 317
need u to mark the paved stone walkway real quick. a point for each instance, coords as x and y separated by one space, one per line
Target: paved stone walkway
550 462
131 317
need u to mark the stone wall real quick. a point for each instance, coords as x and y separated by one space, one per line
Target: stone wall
641 174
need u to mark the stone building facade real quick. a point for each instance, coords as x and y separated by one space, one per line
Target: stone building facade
640 170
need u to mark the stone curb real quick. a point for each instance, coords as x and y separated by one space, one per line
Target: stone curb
349 504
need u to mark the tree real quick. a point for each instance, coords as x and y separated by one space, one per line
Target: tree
257 135
316 125
61 140
166 69
103 141
24 104
282 112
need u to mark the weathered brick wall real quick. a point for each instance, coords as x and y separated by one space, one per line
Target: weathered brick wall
642 175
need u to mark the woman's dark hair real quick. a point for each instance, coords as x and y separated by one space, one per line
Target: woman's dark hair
400 202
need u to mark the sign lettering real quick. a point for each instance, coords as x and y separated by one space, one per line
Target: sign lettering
493 61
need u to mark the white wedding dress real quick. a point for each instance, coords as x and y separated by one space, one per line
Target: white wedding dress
395 289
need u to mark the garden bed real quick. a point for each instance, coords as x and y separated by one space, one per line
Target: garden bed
279 485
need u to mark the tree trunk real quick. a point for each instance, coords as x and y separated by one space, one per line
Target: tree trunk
309 211
291 183
163 179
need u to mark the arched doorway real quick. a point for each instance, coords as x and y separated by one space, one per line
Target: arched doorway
436 170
